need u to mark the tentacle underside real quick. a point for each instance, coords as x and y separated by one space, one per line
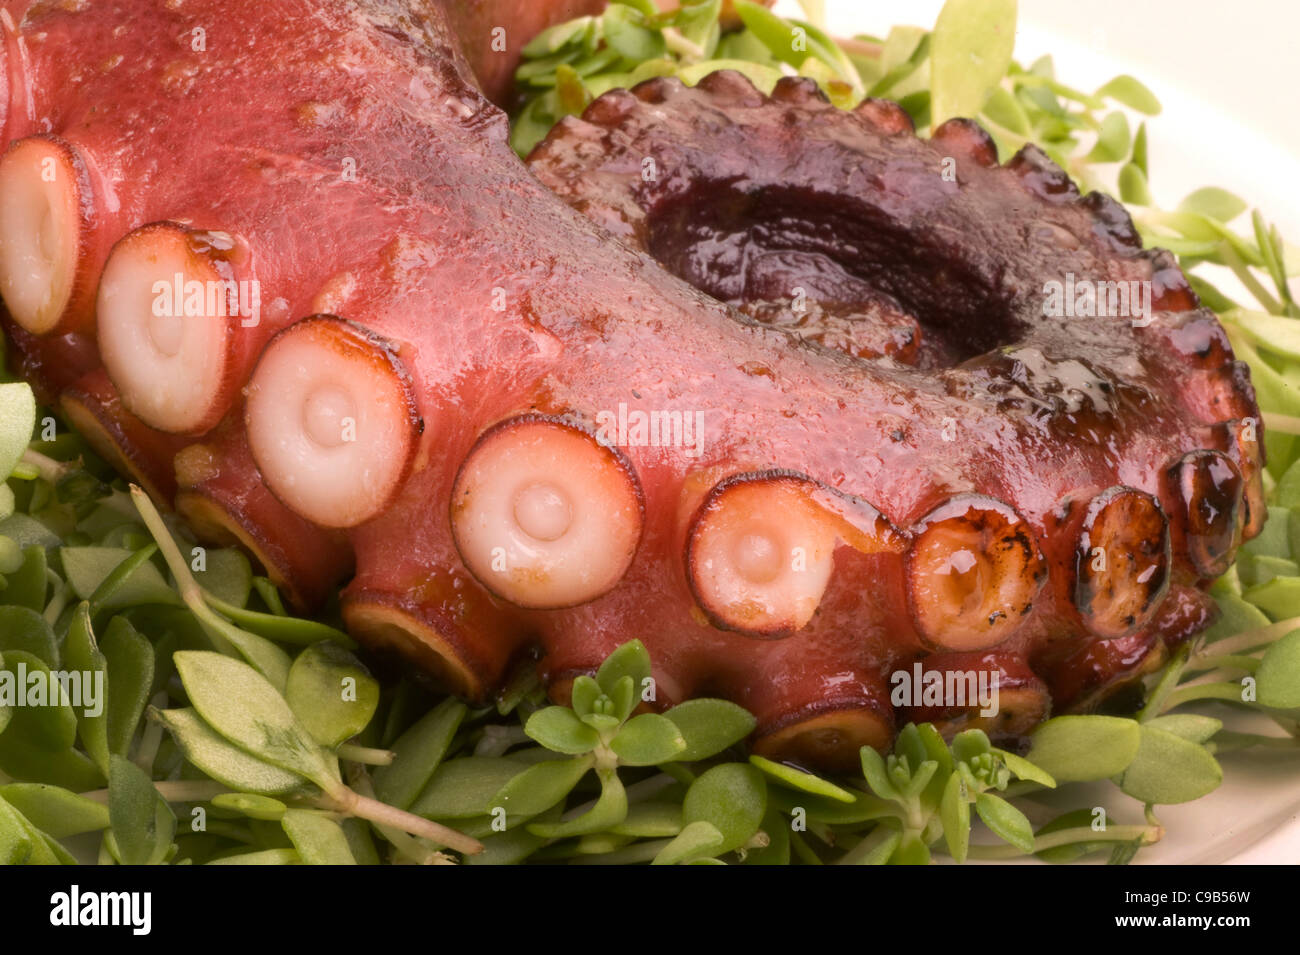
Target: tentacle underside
409 359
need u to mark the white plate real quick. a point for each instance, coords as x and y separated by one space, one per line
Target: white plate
1225 78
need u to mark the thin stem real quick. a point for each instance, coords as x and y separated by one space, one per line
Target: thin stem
185 582
638 852
47 468
1202 691
873 841
1173 672
1242 271
1285 424
58 601
151 737
686 49
1067 837
1249 640
345 800
365 754
180 790
411 848
1224 661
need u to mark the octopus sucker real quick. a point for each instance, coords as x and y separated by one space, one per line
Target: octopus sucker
544 515
332 421
1121 562
759 553
46 237
1209 490
849 405
974 571
165 322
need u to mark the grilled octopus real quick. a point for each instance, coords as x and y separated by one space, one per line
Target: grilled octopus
779 389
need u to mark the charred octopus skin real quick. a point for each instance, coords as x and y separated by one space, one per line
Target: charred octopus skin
293 281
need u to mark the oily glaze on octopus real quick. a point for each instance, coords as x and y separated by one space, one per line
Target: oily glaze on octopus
915 465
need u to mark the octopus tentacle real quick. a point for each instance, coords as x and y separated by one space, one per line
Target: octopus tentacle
798 431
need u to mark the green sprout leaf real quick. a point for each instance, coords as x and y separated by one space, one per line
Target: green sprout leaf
25 629
465 787
221 760
238 702
610 809
1169 769
801 781
417 753
1132 93
252 805
130 666
631 660
56 811
331 693
1213 202
1080 748
318 839
1005 820
647 740
732 798
954 811
1113 140
83 656
542 786
1278 677
1024 769
560 730
143 824
45 723
697 840
17 420
970 51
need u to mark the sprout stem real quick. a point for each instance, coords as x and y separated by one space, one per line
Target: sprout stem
1067 837
1224 660
1286 424
367 755
1242 271
345 800
180 790
1249 640
640 852
47 468
1225 690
